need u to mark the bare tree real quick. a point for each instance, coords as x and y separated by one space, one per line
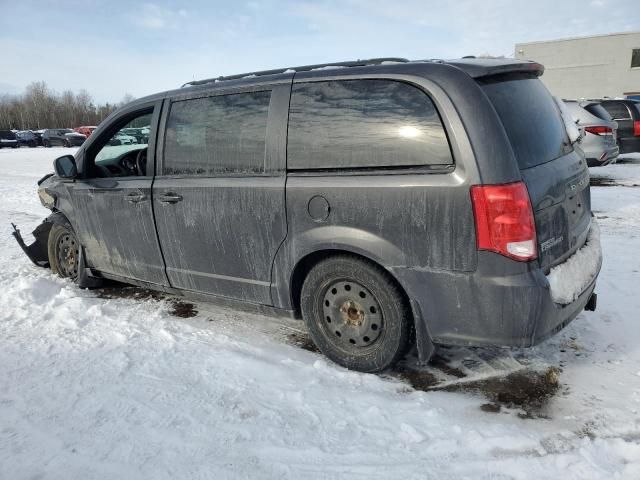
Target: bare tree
39 107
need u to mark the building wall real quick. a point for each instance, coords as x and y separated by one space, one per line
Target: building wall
589 67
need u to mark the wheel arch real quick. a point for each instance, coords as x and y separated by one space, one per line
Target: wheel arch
423 342
307 262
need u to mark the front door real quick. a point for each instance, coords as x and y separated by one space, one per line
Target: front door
219 197
113 204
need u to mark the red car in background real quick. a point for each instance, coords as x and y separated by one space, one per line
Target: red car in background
86 131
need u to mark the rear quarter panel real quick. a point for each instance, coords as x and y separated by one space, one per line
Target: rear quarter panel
411 220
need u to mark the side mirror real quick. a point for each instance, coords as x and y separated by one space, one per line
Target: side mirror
65 167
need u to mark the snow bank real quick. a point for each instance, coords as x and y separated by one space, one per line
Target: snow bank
569 279
109 388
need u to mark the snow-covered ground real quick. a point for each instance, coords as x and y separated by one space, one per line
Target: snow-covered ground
119 384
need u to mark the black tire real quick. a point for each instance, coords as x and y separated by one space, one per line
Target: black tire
66 143
64 251
356 313
46 144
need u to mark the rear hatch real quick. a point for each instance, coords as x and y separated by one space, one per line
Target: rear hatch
555 174
599 111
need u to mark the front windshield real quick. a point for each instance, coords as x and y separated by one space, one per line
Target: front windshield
133 136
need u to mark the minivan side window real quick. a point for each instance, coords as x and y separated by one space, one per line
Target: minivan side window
224 134
364 124
117 155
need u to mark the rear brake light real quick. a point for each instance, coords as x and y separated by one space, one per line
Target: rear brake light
504 220
636 128
599 130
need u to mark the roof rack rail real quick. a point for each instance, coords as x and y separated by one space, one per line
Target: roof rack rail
303 68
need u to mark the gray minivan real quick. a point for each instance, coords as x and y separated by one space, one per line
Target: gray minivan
387 203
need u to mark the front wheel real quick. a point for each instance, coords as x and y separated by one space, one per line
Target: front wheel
64 251
356 313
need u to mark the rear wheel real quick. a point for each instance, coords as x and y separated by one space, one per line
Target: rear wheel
46 143
356 313
64 251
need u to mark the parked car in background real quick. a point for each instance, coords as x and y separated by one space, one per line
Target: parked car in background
122 139
598 132
64 137
74 139
26 138
140 134
85 130
38 134
385 204
627 114
8 139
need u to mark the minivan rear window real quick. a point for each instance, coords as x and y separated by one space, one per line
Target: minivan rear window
530 117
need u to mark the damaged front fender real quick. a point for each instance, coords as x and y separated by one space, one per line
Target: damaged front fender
38 250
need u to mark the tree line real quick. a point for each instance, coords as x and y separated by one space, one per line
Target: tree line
40 107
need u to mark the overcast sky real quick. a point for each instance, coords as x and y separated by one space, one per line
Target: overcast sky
116 47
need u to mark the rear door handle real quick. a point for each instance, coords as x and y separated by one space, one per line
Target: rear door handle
135 197
170 197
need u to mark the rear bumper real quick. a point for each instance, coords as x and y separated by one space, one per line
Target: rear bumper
596 159
502 303
629 144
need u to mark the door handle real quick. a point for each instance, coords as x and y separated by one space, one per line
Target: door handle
170 197
135 197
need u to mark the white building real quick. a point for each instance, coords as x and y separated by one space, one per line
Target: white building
588 67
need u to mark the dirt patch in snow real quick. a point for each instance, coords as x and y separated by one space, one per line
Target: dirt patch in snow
418 379
177 308
529 391
440 363
182 309
303 341
627 160
126 291
609 182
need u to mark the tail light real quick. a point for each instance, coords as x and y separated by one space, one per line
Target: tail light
636 128
599 130
504 220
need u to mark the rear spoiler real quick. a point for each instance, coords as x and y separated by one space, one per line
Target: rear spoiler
487 67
